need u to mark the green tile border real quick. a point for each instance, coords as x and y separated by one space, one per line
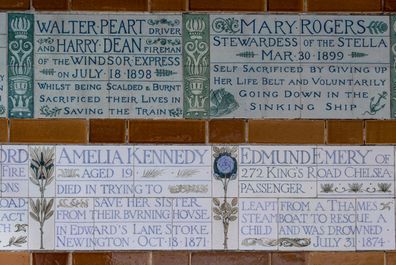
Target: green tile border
393 67
20 65
196 64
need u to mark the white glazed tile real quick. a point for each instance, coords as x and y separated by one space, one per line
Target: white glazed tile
258 227
15 171
149 83
327 98
94 171
372 44
14 226
192 223
355 171
63 66
371 91
172 171
316 224
149 223
111 222
41 223
375 224
74 224
276 171
244 63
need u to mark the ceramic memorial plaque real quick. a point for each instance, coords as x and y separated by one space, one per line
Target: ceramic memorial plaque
288 66
109 65
197 197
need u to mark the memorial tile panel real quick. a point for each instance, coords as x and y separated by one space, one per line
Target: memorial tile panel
110 65
197 197
300 66
196 66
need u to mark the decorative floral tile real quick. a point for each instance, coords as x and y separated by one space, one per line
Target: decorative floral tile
42 223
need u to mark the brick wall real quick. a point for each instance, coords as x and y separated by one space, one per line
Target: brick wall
272 131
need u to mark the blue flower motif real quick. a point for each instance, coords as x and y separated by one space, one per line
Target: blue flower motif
225 166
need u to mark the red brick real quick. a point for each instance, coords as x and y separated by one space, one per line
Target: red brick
344 5
166 131
3 130
14 4
110 5
107 131
391 258
346 258
227 131
50 4
390 5
170 258
345 131
14 258
129 258
285 5
50 258
48 131
289 258
168 5
286 131
381 132
230 258
227 5
84 258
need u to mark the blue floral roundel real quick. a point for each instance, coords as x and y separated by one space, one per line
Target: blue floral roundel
225 166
